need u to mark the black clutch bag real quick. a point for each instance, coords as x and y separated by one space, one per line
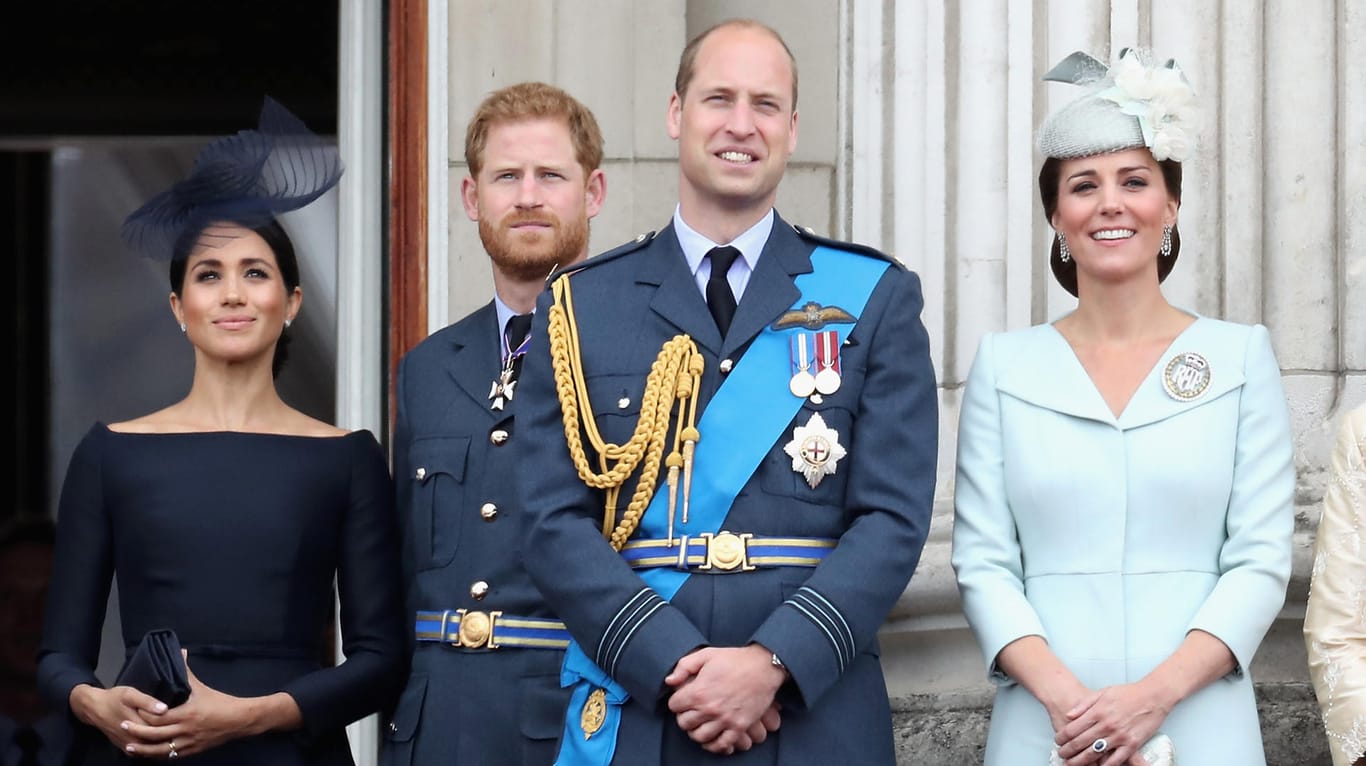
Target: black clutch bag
157 668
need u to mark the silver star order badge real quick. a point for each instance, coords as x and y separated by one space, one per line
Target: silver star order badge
815 450
502 389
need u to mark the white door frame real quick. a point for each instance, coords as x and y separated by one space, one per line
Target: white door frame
360 272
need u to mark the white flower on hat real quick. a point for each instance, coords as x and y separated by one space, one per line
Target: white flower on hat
1161 99
1170 142
1132 77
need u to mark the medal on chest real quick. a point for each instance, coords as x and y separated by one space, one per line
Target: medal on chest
506 382
503 387
803 382
819 351
815 450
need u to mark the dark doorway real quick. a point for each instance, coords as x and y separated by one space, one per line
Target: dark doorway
164 67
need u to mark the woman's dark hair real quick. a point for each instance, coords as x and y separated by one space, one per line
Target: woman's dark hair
278 241
1050 175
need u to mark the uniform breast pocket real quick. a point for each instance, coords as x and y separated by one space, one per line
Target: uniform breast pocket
438 497
616 405
812 450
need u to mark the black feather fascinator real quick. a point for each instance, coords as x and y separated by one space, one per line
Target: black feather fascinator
246 179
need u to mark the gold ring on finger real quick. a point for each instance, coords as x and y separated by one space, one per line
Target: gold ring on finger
173 753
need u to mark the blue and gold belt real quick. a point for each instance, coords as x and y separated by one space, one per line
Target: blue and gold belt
490 630
726 552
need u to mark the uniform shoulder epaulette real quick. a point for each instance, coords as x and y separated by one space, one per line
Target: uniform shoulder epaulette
809 234
604 257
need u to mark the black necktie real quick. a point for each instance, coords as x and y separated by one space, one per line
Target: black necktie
519 327
28 741
720 300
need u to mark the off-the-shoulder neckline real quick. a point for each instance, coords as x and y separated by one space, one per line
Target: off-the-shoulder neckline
107 429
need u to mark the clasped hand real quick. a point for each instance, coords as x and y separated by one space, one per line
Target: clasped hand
141 725
1125 716
724 697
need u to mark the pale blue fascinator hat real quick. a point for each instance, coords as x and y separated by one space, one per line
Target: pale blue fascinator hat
1135 103
248 179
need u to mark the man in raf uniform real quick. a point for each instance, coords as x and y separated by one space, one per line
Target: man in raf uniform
487 653
734 428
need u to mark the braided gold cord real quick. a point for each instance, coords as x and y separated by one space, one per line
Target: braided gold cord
672 381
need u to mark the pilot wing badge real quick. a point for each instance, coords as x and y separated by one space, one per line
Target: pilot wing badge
813 316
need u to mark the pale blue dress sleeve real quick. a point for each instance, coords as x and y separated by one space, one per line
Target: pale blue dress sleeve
1255 560
986 547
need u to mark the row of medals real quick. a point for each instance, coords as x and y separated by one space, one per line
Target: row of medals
815 448
821 350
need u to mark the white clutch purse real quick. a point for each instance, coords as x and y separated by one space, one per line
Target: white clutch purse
1158 751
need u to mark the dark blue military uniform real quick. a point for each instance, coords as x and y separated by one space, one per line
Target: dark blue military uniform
463 532
822 622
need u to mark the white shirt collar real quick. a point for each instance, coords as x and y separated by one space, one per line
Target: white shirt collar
750 243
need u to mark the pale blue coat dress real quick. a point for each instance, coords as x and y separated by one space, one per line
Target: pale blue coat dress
1113 537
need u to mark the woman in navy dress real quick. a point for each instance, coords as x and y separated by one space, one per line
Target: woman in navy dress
228 515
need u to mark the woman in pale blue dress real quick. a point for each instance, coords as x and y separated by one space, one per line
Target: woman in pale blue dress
1124 495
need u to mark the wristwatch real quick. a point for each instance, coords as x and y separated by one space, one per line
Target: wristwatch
775 662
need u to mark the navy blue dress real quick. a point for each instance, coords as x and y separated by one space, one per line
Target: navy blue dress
233 540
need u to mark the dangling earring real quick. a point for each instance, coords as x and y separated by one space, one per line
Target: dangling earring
287 324
182 327
1166 249
1064 254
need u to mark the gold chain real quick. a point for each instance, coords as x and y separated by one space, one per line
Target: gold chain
672 382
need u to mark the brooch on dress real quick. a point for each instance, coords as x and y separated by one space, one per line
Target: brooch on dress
1186 377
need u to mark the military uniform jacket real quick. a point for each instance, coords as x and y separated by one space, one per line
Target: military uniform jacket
822 622
463 524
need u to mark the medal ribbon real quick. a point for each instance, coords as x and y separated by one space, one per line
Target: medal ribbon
828 350
509 354
742 421
801 352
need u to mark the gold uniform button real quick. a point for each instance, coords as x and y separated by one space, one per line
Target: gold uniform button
421 474
498 437
623 402
726 366
488 511
479 589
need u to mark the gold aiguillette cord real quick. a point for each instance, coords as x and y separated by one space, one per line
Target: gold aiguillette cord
672 382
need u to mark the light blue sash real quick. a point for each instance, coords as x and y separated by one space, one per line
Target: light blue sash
747 415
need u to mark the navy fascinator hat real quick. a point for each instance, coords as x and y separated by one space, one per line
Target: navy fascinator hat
246 179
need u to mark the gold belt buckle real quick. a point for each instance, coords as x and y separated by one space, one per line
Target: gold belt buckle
727 551
476 629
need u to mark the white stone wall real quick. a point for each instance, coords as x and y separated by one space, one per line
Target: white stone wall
916 135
